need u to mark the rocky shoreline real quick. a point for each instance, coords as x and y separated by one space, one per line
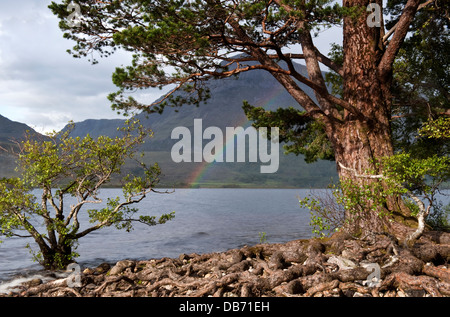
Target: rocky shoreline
341 266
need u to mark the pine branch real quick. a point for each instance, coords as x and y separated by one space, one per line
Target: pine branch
402 27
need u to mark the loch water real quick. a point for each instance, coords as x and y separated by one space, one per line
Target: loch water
206 220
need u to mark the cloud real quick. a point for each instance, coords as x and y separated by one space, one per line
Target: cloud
42 85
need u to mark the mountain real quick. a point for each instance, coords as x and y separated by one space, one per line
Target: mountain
223 109
12 132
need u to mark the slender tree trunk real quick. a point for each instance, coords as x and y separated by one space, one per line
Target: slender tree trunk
54 258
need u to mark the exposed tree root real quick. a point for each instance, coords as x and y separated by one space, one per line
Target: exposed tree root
375 265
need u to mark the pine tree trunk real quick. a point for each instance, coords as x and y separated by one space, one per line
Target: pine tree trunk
365 137
357 150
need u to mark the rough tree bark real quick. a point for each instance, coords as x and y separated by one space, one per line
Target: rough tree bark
364 135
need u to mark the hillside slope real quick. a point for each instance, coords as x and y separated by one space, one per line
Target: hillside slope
12 132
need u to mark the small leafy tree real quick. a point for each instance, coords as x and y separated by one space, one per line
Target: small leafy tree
61 167
327 213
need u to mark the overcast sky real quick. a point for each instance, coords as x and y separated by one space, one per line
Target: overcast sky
45 87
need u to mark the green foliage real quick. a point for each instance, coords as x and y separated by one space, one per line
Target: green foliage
186 43
262 237
436 129
16 205
301 134
403 175
74 167
326 215
422 176
439 219
347 202
332 78
320 221
421 78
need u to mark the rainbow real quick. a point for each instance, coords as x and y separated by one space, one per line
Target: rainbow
199 173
